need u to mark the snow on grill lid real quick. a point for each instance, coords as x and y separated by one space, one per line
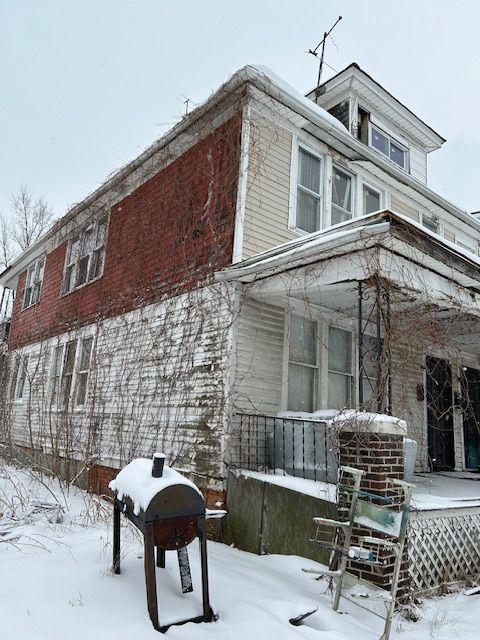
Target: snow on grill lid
135 480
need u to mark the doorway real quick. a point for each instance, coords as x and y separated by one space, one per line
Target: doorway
439 398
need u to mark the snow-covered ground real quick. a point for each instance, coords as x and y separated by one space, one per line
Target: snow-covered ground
55 583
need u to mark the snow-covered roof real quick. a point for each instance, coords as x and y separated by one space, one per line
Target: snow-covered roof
325 126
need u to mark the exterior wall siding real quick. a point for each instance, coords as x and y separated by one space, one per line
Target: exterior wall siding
268 186
159 380
165 237
260 342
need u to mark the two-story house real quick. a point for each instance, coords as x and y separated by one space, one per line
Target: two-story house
271 253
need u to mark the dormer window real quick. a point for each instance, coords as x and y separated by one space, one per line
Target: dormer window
388 146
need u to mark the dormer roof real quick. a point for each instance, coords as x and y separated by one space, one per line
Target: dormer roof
354 81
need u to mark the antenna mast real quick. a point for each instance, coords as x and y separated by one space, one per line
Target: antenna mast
314 52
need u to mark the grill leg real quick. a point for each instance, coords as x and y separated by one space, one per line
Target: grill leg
160 558
150 582
207 611
116 538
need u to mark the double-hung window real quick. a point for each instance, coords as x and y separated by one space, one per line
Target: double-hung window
342 200
340 368
303 365
85 256
33 283
19 378
309 191
383 143
70 369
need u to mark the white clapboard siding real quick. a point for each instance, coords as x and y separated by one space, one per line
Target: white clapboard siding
418 164
268 186
400 206
258 382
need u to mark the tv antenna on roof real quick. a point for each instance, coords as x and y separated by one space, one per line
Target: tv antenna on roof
320 56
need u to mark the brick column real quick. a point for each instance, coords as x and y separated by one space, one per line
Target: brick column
377 448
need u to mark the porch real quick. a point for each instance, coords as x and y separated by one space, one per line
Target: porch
377 314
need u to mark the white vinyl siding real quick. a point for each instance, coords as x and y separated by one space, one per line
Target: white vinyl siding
267 200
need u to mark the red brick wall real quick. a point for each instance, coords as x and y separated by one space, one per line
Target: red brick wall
164 238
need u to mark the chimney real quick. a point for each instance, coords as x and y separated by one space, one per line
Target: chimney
158 463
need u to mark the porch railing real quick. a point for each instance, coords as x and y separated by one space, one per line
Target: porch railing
301 448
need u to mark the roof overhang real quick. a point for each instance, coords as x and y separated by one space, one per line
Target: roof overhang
414 259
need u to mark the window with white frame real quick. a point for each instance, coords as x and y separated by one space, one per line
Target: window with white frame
70 369
33 283
309 190
303 365
372 199
19 378
85 256
389 147
340 368
342 196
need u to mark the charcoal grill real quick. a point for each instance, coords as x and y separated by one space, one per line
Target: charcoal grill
170 512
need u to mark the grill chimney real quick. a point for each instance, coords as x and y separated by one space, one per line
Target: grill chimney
157 467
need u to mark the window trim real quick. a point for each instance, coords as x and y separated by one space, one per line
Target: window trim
391 138
294 175
37 266
95 247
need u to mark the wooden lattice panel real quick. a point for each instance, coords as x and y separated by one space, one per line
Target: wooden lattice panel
443 547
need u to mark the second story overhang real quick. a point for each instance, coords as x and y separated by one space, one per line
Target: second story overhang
325 268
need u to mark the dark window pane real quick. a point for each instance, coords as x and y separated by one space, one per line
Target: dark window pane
379 141
371 200
397 155
339 350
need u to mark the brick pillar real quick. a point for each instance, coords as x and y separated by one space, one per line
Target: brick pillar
376 448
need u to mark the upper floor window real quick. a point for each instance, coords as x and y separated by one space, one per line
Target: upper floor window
33 283
388 146
342 200
86 255
372 199
308 196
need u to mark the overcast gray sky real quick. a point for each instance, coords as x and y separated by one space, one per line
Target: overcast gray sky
87 84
